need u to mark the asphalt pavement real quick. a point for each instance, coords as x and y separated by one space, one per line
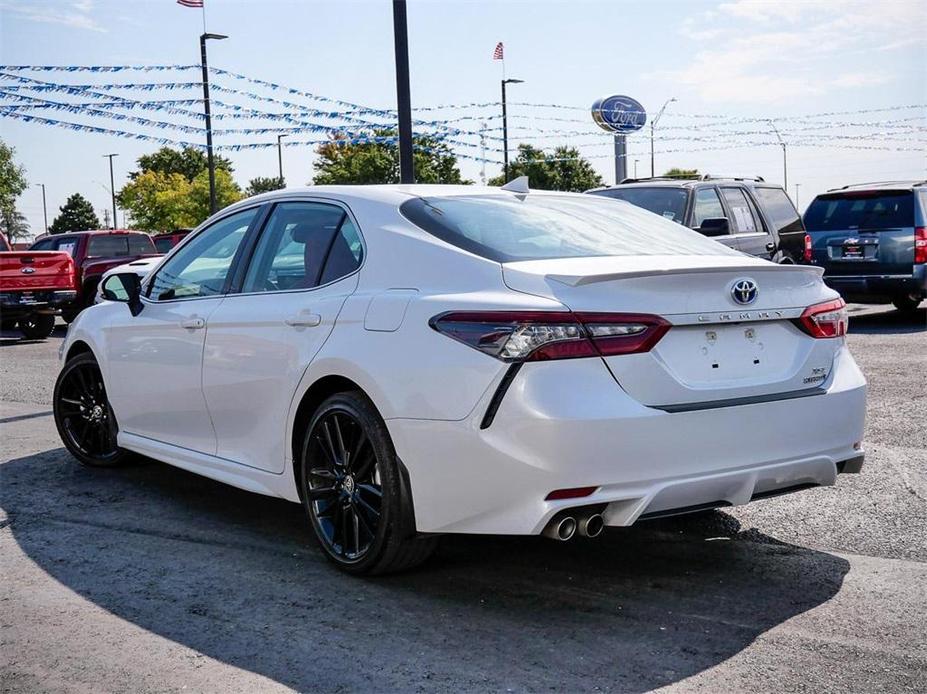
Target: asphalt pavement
151 579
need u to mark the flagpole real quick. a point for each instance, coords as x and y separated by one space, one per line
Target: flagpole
204 16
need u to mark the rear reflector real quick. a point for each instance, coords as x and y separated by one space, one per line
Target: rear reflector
574 493
829 319
541 335
920 244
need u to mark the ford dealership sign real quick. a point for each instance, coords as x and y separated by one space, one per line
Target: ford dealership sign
619 114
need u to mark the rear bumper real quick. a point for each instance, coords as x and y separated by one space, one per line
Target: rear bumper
566 424
20 304
879 288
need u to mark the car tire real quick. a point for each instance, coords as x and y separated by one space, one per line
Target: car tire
907 302
37 326
354 491
83 416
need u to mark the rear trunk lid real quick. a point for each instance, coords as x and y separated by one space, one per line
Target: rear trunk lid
863 232
718 349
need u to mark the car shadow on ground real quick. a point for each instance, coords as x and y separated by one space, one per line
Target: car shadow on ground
889 322
8 338
236 577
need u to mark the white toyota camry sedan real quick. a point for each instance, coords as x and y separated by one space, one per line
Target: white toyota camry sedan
410 361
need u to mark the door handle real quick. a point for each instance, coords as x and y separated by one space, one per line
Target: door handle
193 323
304 320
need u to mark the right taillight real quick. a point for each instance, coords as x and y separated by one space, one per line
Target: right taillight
807 252
829 319
513 336
920 244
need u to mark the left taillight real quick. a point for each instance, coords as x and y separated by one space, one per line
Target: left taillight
920 244
807 253
542 335
828 319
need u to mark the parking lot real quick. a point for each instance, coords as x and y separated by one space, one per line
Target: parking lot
148 578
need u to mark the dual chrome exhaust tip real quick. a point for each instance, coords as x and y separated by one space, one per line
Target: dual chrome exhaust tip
563 528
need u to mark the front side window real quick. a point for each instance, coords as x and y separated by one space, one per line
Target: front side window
108 246
779 209
508 228
662 200
201 267
707 206
303 245
743 222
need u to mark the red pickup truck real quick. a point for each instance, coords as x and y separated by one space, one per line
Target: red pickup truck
95 252
33 286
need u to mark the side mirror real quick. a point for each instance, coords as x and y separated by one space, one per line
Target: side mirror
126 287
715 226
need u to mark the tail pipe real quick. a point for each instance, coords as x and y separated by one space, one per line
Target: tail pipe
561 528
591 525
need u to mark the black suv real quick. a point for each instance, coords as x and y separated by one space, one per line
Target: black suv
747 214
871 240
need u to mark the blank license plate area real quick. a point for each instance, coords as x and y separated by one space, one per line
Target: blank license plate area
732 355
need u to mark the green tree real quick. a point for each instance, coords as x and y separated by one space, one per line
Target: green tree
340 162
259 185
14 224
12 180
75 215
676 172
189 162
562 169
158 201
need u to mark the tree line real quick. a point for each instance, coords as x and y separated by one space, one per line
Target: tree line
170 187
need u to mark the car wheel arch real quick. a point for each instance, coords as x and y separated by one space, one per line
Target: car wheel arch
78 347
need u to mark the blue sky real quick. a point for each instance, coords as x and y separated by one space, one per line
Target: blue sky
740 59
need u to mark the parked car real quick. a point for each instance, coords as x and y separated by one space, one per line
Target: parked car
747 214
94 252
166 241
33 285
407 361
871 240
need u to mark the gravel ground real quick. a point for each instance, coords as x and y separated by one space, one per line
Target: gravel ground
150 579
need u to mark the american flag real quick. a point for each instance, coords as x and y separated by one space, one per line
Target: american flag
190 3
496 54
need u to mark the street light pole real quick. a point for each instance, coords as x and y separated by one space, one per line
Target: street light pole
44 206
653 124
635 167
505 131
797 186
785 163
280 156
112 186
210 161
403 97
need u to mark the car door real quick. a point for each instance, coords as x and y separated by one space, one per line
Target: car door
154 359
749 231
706 204
261 339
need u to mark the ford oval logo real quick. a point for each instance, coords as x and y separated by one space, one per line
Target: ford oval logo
27 270
744 291
619 114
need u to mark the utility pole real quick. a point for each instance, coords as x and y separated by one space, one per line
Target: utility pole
106 219
403 97
785 163
210 161
797 186
44 206
112 186
653 124
483 153
280 157
505 131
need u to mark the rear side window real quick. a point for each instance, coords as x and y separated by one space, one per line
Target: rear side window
108 246
779 209
140 243
666 202
869 211
164 244
508 228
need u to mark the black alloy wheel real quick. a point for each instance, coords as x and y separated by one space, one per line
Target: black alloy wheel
353 492
37 326
83 416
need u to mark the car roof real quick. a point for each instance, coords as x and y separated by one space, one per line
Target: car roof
880 185
672 182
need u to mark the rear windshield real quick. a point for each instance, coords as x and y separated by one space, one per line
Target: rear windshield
666 202
531 227
864 211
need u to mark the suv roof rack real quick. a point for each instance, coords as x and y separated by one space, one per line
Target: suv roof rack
879 183
695 177
643 179
717 177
